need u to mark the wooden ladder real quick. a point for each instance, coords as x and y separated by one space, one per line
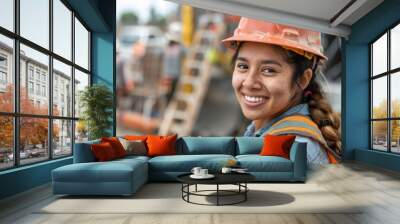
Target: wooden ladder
182 112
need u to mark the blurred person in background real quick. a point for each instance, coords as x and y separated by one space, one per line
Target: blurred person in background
172 64
121 83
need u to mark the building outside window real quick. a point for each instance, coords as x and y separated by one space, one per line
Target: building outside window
30 87
59 133
43 78
30 72
3 72
385 94
37 75
43 90
3 78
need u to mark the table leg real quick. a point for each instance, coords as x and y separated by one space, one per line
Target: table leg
217 194
245 191
188 189
196 188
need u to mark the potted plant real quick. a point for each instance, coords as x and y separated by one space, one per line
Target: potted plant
96 102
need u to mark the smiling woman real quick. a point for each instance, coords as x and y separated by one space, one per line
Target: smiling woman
275 79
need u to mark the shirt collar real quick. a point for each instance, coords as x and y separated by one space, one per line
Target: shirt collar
298 109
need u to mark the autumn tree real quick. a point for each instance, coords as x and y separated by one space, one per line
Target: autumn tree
33 131
380 127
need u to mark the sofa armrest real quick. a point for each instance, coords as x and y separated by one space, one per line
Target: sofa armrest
83 152
298 155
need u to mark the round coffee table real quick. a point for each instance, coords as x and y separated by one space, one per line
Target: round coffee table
238 179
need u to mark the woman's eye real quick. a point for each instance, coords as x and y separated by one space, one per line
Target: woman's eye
268 71
241 66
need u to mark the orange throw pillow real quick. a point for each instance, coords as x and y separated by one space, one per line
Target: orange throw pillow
116 145
161 145
103 152
277 145
135 137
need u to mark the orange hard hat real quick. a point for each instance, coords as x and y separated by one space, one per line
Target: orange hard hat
302 41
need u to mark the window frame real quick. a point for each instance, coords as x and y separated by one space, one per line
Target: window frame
388 74
16 114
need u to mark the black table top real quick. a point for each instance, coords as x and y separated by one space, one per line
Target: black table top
220 178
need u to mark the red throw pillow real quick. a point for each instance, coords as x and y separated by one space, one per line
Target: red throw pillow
277 145
116 145
161 145
103 151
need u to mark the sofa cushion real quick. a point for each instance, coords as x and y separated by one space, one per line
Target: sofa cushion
277 145
249 145
185 163
161 145
206 145
103 152
134 147
112 171
116 145
135 137
257 163
131 158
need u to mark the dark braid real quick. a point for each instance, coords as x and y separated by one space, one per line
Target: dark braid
321 111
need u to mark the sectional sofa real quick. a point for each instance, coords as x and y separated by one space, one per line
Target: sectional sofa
125 176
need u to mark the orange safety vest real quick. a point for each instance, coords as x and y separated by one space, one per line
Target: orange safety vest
302 125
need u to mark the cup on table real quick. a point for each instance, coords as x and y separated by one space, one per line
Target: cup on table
203 172
226 170
196 171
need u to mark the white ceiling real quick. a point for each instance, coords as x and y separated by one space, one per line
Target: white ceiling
320 15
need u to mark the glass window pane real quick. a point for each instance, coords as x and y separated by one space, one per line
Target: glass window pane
81 81
62 138
6 74
379 135
81 45
62 29
81 131
35 21
7 14
379 97
6 142
379 55
62 89
395 47
395 136
33 139
34 80
395 94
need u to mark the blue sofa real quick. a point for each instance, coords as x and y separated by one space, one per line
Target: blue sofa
125 176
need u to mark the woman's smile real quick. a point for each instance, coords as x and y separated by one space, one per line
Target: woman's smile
254 101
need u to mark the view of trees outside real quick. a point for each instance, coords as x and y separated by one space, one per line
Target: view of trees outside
34 78
379 128
33 131
387 123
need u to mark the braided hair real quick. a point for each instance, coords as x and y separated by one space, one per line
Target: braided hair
321 111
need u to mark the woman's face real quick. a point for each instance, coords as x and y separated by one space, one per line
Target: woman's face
262 81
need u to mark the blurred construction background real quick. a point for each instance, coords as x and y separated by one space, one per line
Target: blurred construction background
174 75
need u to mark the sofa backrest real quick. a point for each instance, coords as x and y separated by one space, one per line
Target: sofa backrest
83 152
249 145
206 145
253 145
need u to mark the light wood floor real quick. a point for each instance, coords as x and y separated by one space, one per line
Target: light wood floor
379 188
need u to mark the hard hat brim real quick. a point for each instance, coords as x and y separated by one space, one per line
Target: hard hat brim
232 43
